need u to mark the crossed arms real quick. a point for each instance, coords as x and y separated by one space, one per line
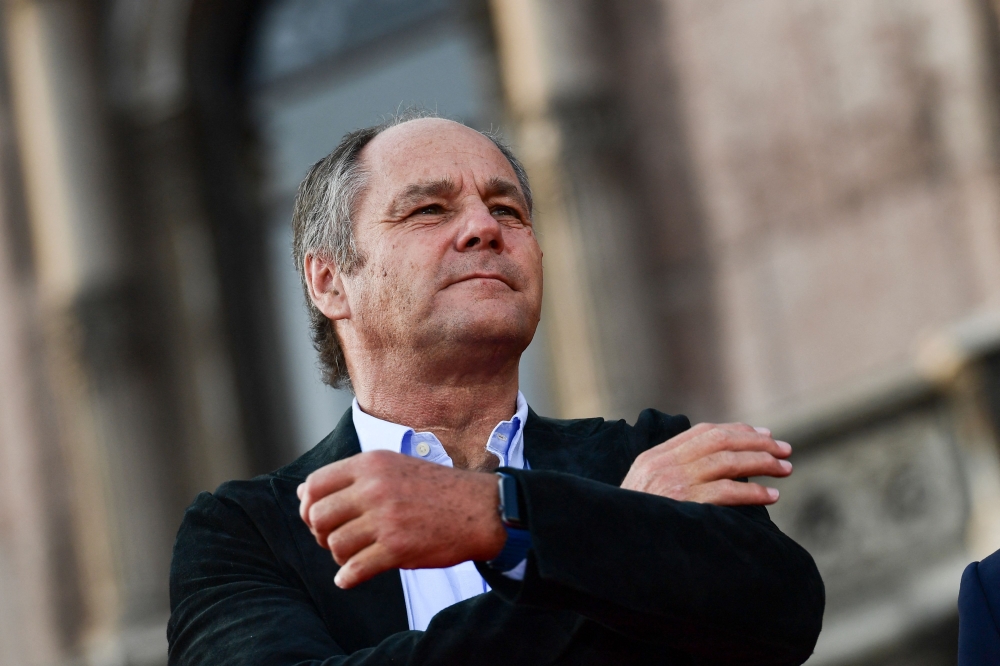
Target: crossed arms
381 510
626 571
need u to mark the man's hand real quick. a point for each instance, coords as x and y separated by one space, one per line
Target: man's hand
699 465
380 510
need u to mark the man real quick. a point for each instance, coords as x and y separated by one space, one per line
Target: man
393 541
979 613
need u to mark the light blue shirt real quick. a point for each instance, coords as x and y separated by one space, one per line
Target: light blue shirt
428 591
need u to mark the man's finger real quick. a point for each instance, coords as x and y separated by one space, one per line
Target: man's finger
365 564
329 513
324 481
734 493
687 435
737 464
351 537
724 439
707 432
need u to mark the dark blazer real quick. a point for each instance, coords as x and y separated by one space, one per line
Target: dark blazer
979 613
614 576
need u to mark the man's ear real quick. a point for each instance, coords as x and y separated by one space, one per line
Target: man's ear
326 287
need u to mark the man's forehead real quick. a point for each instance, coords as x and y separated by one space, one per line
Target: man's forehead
428 148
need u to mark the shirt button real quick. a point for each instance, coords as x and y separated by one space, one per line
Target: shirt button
502 437
423 449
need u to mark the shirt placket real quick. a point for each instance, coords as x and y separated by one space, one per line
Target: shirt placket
426 446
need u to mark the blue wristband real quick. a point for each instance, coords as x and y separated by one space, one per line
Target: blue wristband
515 549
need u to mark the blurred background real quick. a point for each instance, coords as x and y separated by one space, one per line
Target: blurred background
780 211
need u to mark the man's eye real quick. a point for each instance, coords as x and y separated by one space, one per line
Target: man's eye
433 209
504 211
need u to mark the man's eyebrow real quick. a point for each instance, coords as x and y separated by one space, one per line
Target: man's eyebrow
413 194
501 187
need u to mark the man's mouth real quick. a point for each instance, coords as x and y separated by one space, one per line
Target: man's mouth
483 276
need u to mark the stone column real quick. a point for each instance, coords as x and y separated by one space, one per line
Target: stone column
76 253
559 86
128 315
40 591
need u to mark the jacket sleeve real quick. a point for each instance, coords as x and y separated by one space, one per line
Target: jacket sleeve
233 603
722 584
978 634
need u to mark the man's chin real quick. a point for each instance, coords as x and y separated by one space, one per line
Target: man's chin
481 328
500 317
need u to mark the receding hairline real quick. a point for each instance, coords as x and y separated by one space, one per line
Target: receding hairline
388 135
417 122
363 156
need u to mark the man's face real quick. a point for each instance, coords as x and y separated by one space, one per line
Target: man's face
451 259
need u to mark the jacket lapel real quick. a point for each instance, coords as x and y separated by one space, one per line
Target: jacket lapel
340 444
363 615
376 609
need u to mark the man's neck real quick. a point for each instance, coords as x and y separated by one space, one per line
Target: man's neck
461 411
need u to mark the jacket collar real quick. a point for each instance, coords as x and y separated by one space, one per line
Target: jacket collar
340 444
549 444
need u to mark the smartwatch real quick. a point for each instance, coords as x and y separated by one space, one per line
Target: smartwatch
510 504
518 543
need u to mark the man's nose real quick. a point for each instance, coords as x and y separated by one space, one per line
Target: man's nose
480 231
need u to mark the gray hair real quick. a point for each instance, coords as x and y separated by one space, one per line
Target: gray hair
323 225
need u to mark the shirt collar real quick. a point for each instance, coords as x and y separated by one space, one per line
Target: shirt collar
374 434
506 440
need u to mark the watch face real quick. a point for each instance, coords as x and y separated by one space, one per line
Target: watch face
509 509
